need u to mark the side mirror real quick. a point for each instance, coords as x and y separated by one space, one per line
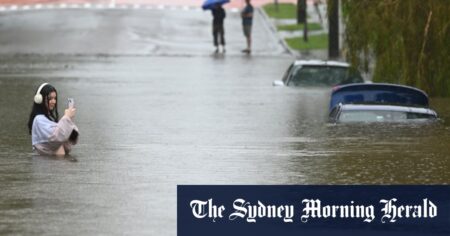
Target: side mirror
277 83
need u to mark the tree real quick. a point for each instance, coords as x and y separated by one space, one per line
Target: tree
408 41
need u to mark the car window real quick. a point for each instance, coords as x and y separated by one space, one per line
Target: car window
354 77
380 116
320 76
371 116
285 76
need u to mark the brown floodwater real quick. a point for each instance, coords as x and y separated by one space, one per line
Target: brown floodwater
150 123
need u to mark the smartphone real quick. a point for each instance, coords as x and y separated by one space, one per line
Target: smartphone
70 102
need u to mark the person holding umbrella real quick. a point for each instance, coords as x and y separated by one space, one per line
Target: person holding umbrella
219 15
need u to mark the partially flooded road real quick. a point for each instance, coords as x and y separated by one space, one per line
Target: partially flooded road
152 120
134 32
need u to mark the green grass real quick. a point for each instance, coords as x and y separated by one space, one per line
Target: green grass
289 11
285 11
295 27
314 42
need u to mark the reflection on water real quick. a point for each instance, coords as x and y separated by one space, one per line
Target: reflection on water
146 127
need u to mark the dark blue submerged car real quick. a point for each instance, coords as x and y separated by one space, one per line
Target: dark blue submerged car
379 102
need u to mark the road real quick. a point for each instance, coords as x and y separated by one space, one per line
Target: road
154 31
192 3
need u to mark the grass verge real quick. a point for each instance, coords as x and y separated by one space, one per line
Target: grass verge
285 10
295 27
314 42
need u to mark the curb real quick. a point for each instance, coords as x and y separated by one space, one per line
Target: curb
271 27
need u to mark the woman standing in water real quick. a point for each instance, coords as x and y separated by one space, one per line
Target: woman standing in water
49 134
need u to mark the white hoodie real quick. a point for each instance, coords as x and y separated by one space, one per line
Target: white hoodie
48 137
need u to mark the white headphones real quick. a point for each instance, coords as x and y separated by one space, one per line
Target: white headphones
38 97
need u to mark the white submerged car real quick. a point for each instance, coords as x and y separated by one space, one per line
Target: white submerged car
379 103
318 73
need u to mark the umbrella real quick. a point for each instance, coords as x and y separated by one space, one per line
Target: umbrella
209 4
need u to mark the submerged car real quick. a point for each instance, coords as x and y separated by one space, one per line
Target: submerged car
379 103
317 73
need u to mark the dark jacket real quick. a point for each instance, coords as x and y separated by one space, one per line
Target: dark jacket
218 15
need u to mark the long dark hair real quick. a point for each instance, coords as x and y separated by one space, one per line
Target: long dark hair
42 109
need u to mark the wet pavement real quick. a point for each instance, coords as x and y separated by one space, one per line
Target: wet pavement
174 113
133 32
191 3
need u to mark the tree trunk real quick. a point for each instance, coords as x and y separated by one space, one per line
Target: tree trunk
301 11
333 29
302 17
305 26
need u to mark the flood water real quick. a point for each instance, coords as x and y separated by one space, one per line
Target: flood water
150 123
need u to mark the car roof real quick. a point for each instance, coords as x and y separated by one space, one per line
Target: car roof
321 63
365 107
380 93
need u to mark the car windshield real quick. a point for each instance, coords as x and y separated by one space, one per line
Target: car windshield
322 76
382 116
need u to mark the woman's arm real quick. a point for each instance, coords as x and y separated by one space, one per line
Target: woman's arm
47 131
62 130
